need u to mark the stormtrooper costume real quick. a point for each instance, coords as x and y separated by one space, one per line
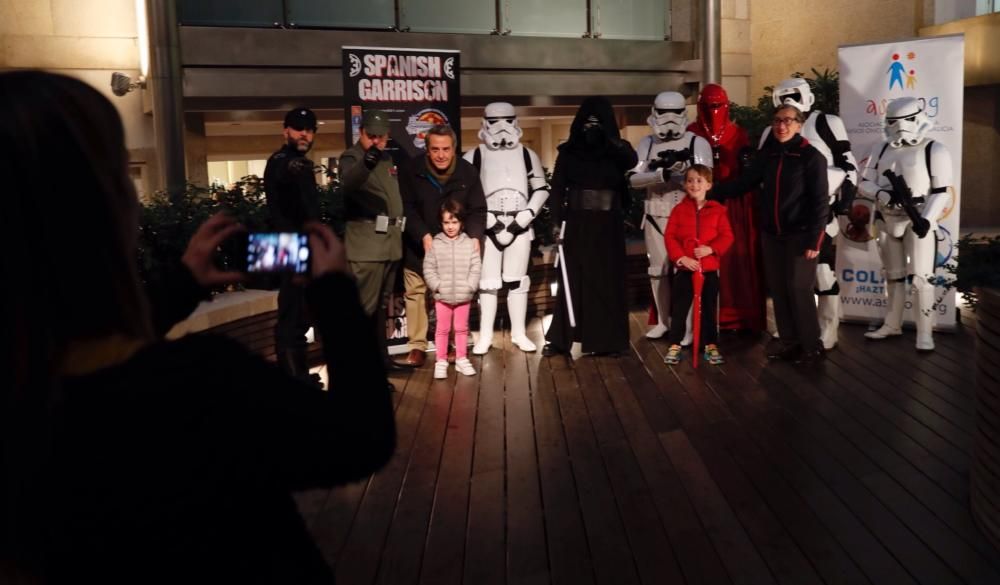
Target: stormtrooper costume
669 144
515 187
827 134
903 236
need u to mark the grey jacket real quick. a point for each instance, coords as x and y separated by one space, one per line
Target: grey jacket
451 269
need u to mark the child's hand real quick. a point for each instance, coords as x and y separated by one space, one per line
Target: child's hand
702 251
690 263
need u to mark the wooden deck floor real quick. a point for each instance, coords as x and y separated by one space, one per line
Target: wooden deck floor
624 470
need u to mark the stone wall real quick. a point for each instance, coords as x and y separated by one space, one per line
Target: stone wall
796 35
87 39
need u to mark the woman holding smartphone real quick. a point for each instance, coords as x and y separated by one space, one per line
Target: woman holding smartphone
128 458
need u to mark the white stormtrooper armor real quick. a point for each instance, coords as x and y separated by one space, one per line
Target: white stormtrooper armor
515 187
827 134
926 167
664 189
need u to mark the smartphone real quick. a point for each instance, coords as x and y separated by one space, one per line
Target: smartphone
271 252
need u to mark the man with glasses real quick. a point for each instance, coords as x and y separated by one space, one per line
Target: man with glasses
910 178
792 211
825 132
292 200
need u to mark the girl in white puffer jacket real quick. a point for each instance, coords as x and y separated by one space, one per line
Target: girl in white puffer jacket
451 271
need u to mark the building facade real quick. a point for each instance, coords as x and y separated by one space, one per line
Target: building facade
244 63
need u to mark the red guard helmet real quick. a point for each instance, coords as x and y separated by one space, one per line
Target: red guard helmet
713 109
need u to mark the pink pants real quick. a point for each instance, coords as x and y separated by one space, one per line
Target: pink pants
445 312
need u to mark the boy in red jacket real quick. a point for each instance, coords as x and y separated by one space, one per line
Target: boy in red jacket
698 234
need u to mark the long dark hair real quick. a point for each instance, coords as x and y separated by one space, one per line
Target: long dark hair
69 222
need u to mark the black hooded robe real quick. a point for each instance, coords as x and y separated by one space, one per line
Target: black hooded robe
594 241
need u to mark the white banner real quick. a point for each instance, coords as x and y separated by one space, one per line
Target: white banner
930 69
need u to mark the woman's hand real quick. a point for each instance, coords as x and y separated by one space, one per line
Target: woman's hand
812 254
328 253
200 250
702 251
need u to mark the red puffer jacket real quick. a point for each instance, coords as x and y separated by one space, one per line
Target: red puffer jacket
689 227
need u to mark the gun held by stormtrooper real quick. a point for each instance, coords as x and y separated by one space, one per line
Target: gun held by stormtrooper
902 195
668 158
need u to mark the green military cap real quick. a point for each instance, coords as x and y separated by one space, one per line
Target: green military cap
375 122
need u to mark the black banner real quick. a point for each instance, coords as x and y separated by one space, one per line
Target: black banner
418 88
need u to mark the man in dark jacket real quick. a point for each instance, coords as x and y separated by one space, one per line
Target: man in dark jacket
373 209
290 187
792 211
428 179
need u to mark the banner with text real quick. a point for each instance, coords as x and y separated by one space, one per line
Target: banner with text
418 88
871 76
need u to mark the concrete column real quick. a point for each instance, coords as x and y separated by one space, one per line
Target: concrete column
196 151
711 41
547 150
165 83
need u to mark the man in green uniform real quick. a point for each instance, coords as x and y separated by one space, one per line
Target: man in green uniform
373 210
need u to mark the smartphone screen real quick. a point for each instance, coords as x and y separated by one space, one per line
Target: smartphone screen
277 252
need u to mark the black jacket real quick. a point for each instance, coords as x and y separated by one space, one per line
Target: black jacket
794 200
290 187
422 199
178 464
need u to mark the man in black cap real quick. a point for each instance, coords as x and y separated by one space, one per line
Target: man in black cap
374 212
292 200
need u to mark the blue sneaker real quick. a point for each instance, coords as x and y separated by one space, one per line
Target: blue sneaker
712 355
673 356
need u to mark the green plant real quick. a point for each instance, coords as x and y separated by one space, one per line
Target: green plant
825 86
977 266
166 226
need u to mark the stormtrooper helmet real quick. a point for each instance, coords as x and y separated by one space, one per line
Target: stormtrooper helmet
793 92
669 116
906 123
500 129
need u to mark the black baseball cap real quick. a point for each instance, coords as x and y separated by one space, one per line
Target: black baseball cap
300 119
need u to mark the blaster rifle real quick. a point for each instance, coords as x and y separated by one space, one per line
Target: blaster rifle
668 158
902 195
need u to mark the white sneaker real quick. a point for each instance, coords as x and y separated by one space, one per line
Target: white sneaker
688 339
441 369
883 332
658 331
464 367
523 343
